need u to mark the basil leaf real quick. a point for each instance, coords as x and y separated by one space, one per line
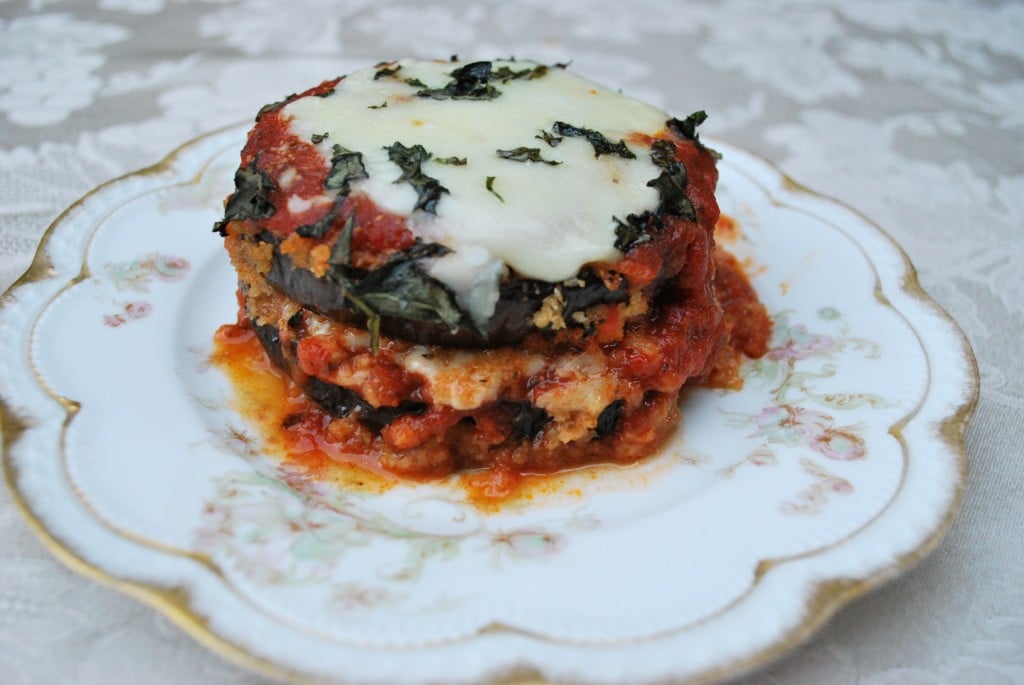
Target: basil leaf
470 76
318 138
551 140
671 184
341 253
372 318
506 73
380 106
275 106
601 145
469 82
422 250
410 160
631 232
384 71
453 161
663 154
401 288
344 277
489 184
249 201
525 154
687 129
320 228
347 278
346 166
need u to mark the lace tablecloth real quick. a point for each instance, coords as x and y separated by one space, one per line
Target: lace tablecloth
911 112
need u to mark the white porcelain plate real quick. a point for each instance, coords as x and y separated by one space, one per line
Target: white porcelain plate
838 465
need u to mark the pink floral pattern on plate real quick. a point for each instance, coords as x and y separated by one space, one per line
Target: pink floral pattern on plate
799 416
279 526
137 275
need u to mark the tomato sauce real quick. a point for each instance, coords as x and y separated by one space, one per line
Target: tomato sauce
692 328
297 170
292 426
299 432
658 357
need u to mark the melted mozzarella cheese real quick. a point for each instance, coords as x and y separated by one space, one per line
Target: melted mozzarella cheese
541 221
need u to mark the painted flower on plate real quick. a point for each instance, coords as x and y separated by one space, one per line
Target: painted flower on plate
799 343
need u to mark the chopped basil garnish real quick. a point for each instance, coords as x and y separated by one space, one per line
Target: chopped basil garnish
275 106
525 154
347 279
671 184
506 73
372 318
318 138
453 161
672 199
602 146
472 81
469 82
410 161
687 128
380 106
249 201
402 288
346 166
386 71
631 232
341 253
489 184
548 138
320 228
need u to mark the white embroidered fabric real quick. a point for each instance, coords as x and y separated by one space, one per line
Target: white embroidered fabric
912 113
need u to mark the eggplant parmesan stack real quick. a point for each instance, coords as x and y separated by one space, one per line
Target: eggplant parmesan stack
474 264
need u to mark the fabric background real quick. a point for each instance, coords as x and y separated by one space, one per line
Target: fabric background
910 112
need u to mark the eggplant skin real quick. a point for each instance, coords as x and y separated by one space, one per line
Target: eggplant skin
518 301
271 341
304 287
610 417
336 400
340 402
527 420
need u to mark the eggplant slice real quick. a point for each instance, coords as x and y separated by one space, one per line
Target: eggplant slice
519 301
527 420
